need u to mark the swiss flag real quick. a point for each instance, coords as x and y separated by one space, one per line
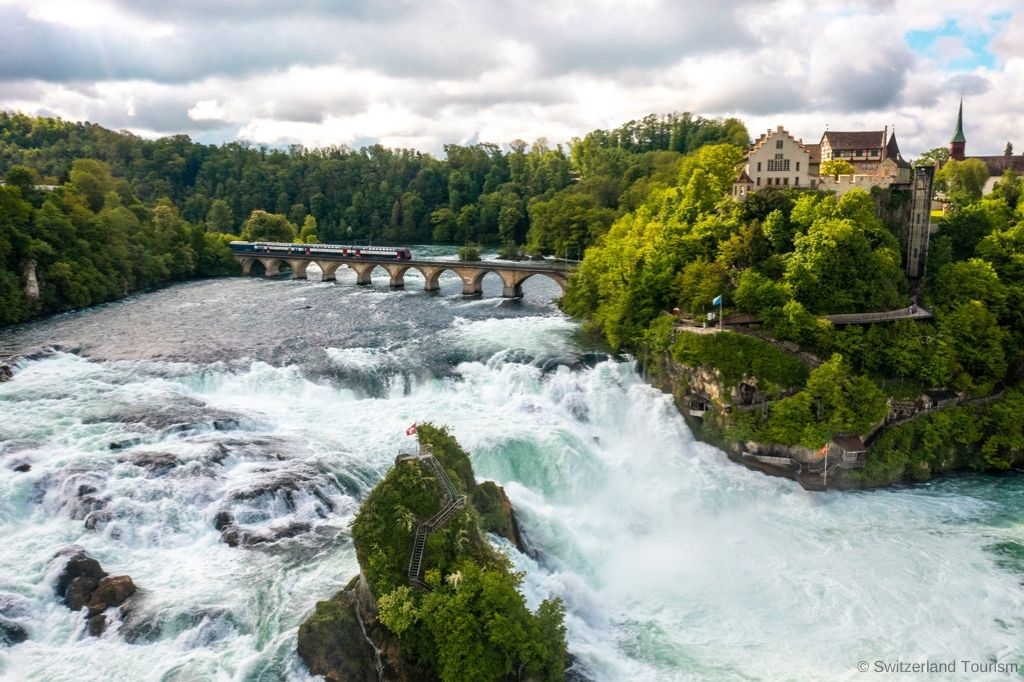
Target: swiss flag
411 431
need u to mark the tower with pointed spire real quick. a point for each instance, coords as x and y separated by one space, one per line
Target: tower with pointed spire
959 142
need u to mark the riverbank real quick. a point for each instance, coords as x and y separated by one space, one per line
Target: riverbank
723 398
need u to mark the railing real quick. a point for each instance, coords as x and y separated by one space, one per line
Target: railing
452 502
914 312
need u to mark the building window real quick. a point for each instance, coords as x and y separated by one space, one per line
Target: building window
875 152
797 166
759 178
758 166
859 152
796 180
778 164
778 144
785 181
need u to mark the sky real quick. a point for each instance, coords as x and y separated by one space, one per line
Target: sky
423 74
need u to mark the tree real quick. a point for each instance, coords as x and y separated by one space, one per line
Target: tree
22 177
834 269
756 293
977 343
1008 149
220 218
970 280
834 401
933 157
267 227
965 226
964 180
698 284
308 234
93 179
836 167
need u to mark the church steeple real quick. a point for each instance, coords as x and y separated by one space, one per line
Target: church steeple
959 142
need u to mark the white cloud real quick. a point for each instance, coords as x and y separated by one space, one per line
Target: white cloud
207 110
410 74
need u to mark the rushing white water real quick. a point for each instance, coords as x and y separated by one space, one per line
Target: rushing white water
673 563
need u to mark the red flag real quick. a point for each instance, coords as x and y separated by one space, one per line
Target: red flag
411 431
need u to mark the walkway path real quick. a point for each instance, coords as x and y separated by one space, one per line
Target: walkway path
451 503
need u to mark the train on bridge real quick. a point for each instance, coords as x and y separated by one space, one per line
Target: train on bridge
284 250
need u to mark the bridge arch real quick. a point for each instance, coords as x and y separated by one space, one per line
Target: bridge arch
271 265
514 280
509 288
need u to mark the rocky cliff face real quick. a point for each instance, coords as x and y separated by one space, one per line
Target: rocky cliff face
345 642
31 282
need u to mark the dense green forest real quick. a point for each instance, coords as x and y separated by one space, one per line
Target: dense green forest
787 257
482 193
100 213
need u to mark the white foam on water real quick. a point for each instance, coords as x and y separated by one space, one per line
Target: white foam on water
673 563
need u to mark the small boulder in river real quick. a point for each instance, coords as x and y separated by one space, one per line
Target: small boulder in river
77 565
82 582
79 592
11 633
111 591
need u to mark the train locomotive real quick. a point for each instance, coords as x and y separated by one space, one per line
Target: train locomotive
284 249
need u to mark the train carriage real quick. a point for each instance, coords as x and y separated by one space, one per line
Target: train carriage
285 250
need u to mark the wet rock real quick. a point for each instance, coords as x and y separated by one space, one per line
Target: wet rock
13 605
87 503
11 633
83 582
5 373
23 467
234 536
140 626
285 484
77 564
97 519
223 520
97 624
79 592
496 513
112 591
333 642
156 463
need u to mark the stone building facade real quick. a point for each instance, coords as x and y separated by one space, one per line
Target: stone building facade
776 159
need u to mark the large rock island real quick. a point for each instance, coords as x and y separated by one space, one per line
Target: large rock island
434 600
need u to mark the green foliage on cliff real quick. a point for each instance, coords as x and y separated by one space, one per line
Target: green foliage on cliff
834 401
737 357
979 437
473 624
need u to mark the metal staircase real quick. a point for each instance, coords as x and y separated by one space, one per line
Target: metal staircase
451 503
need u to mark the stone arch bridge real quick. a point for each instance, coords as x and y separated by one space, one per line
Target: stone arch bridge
470 272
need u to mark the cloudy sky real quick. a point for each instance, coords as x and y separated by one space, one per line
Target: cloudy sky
420 74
